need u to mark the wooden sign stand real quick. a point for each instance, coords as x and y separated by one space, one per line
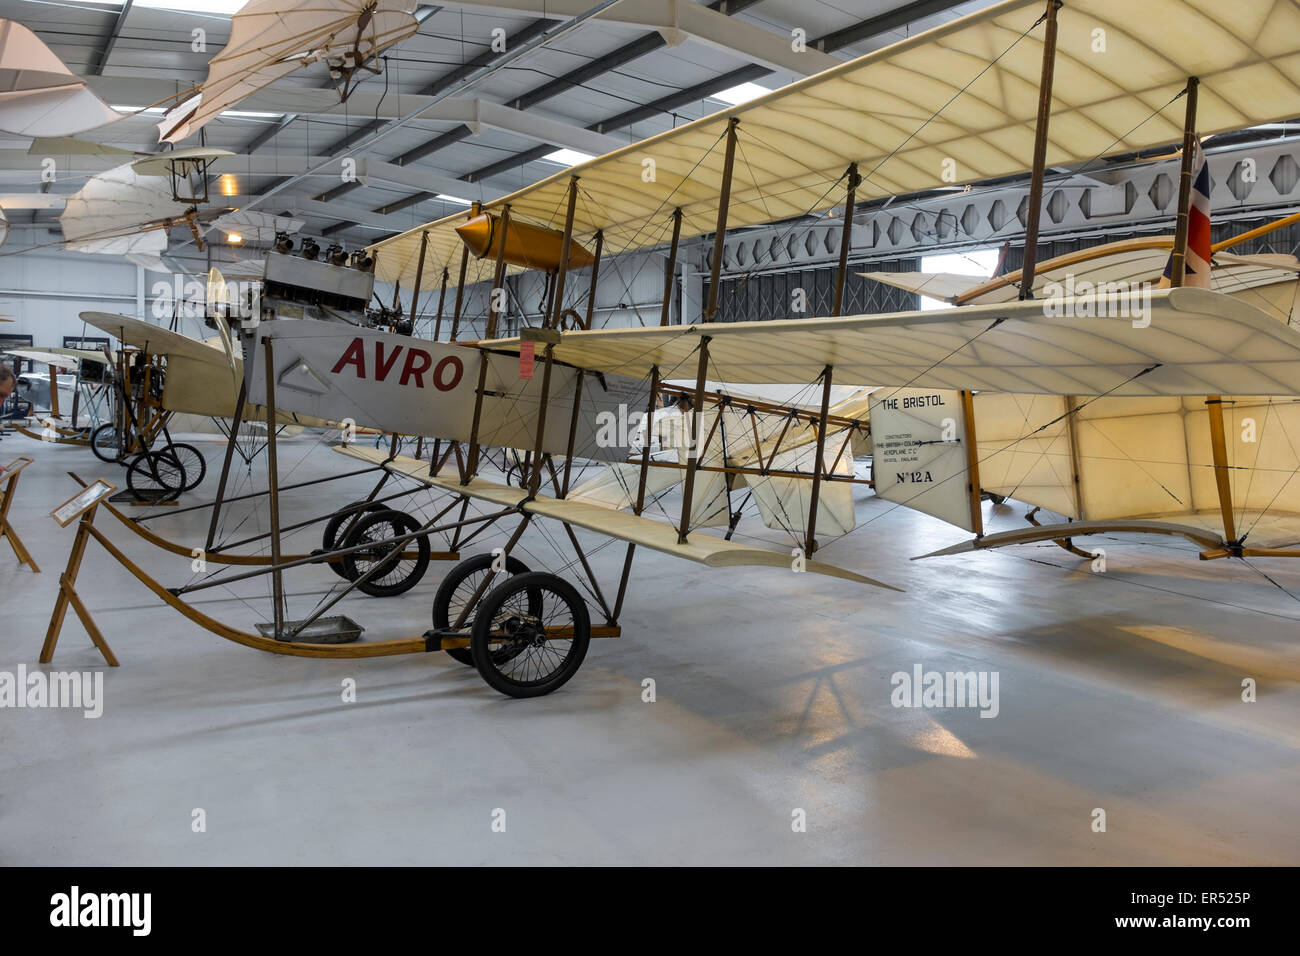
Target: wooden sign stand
68 580
7 493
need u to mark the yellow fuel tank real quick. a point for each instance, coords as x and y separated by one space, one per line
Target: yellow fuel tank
533 247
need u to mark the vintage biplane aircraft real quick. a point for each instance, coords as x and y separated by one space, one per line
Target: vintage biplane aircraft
1019 86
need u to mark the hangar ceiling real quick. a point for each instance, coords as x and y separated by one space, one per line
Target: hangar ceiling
639 68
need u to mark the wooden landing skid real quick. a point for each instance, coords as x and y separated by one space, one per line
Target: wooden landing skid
87 530
66 436
1077 529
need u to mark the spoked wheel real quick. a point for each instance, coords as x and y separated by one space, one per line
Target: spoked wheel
543 620
396 573
458 589
343 521
156 476
104 443
192 460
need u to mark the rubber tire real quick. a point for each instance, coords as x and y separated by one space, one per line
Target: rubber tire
394 519
339 519
442 600
188 458
106 428
482 648
141 475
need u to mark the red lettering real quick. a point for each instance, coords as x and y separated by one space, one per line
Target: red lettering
410 369
355 355
382 368
457 370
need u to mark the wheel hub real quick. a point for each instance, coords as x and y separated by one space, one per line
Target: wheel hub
524 630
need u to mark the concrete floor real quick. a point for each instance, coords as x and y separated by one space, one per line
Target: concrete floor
1119 691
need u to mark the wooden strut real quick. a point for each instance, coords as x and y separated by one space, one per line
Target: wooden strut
670 267
1034 211
810 544
471 464
720 233
442 301
1178 259
498 277
563 489
566 245
226 463
535 479
972 463
7 494
693 458
419 277
460 294
1222 478
846 238
595 277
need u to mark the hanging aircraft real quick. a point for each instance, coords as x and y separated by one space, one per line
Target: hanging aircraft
270 39
39 95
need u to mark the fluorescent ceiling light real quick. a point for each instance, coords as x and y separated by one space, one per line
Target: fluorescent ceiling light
250 114
139 109
455 199
567 157
740 94
226 7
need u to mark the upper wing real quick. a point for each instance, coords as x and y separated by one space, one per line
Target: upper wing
962 96
153 339
60 357
1196 342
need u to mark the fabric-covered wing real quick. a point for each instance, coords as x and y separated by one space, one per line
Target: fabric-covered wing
964 93
1197 342
269 39
701 548
39 95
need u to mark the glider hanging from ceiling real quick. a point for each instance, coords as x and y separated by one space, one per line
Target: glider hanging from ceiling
270 39
129 209
39 95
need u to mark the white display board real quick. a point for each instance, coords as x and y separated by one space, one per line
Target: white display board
919 447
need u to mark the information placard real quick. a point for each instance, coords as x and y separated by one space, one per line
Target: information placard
79 503
919 448
15 466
